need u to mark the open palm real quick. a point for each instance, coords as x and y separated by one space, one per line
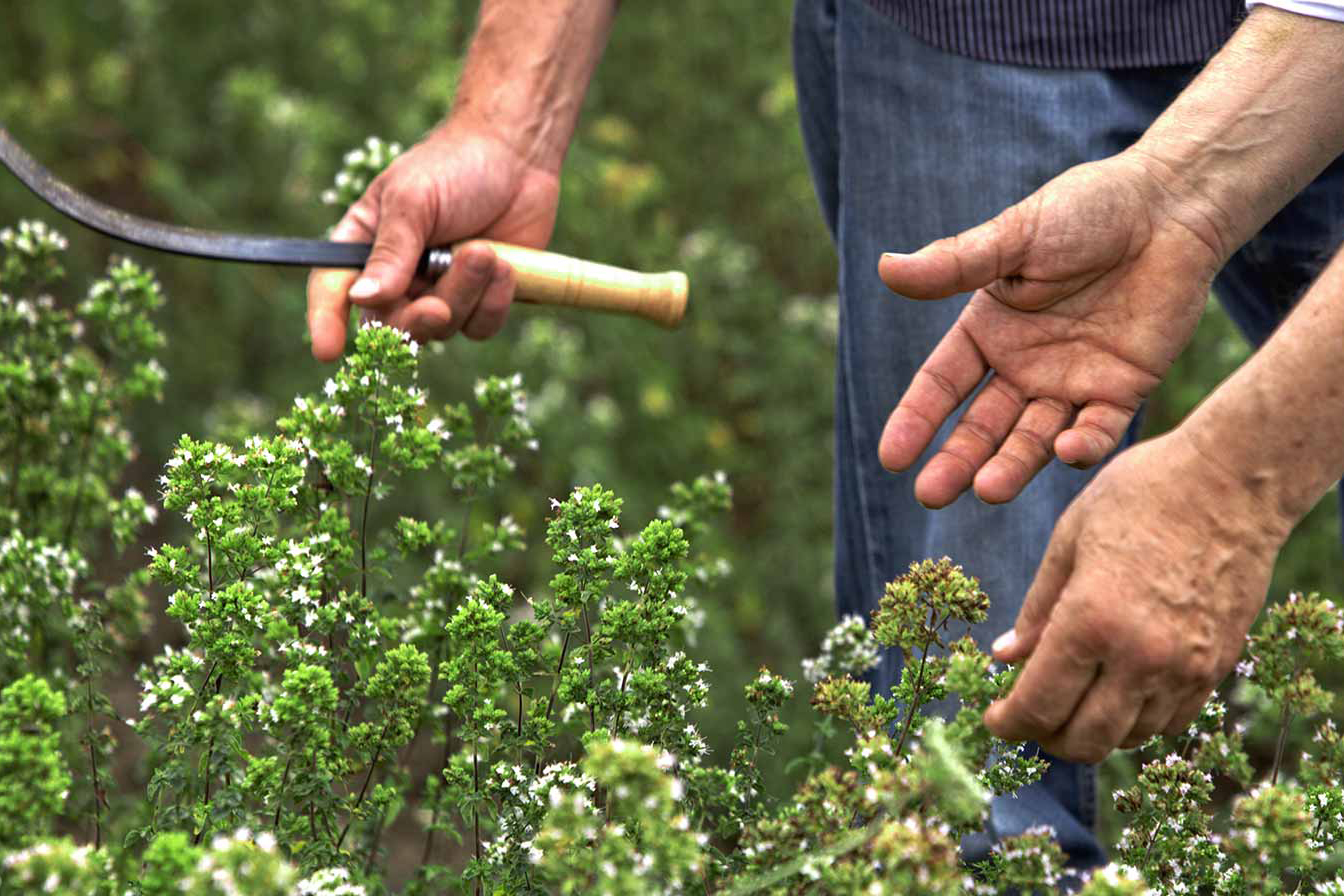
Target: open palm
1086 291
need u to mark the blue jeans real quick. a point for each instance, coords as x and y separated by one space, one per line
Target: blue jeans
907 144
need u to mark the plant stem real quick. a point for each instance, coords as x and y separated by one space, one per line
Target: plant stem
588 636
93 763
363 790
1284 722
284 782
209 674
466 522
373 847
368 495
16 457
68 536
476 774
434 818
433 683
550 702
919 685
209 761
475 807
519 686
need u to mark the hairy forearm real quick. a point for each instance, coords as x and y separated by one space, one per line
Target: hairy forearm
528 69
1277 424
1259 123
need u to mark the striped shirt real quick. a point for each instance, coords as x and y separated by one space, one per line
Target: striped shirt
1071 33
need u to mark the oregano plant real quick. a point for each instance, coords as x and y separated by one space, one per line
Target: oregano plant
343 677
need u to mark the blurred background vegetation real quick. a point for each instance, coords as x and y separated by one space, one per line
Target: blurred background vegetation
237 115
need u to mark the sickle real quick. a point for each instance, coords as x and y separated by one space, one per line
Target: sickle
542 277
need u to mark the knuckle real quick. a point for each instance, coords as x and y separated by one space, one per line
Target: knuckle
1030 443
1180 723
1201 669
1037 610
943 383
1032 719
1077 749
1095 633
975 430
1092 754
1154 656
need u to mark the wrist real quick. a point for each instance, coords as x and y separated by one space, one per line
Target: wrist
1195 202
527 72
529 134
501 141
1236 472
1255 127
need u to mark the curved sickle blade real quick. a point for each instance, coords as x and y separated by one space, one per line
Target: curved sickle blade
151 234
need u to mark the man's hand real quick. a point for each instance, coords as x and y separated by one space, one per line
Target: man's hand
1114 258
460 182
492 170
1087 292
1151 580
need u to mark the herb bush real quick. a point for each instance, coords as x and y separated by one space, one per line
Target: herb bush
325 642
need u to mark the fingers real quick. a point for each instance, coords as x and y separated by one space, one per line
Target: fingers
1051 686
1154 718
1094 434
961 263
974 440
472 297
1051 577
493 310
1102 720
328 302
426 318
1186 712
477 285
1025 452
950 374
404 222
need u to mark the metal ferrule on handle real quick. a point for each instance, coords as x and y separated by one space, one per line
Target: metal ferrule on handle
434 263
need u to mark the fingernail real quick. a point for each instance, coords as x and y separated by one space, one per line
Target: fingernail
345 231
364 288
1005 641
899 256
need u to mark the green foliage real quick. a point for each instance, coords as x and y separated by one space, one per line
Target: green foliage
237 116
36 780
323 639
1281 832
58 867
230 116
639 839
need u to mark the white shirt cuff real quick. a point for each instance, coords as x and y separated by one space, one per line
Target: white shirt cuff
1321 9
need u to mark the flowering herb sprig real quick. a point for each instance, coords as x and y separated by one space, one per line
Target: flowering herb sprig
70 369
1281 832
358 169
339 663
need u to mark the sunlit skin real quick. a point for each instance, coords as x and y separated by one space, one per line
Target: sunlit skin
491 170
1085 293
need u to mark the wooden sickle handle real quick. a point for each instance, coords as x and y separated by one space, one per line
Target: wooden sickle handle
547 278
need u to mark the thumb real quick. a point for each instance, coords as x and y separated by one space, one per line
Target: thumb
405 224
1017 643
968 261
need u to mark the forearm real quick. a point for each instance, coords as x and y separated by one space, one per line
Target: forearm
528 69
1277 424
1259 123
